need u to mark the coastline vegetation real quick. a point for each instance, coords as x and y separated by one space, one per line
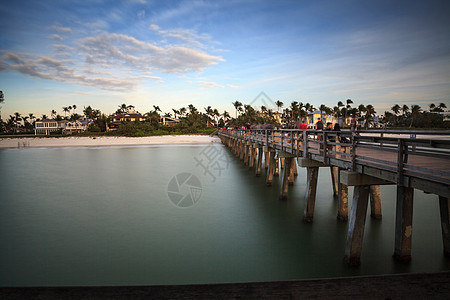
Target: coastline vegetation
193 121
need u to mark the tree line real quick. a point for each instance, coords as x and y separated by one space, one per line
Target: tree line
192 120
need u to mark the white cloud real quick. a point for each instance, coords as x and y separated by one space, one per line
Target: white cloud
140 14
187 37
56 37
118 49
207 84
61 29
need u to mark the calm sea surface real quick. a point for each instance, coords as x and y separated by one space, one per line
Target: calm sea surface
104 216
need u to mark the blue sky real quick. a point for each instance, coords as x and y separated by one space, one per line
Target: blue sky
175 53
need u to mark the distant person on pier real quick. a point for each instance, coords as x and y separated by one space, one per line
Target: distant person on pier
354 125
319 124
302 125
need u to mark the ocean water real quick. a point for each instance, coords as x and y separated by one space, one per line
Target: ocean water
147 215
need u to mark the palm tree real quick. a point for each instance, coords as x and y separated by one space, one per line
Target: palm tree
361 109
2 99
66 110
156 107
74 107
396 109
442 106
175 112
279 105
415 110
216 116
238 106
370 112
182 111
226 115
53 113
32 117
405 109
432 107
16 120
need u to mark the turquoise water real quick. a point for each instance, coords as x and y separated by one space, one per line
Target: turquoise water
103 216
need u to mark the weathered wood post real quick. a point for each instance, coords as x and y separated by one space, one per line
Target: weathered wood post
356 224
403 224
375 202
343 200
335 179
248 149
285 180
311 186
293 167
253 155
444 207
271 168
259 161
276 170
242 150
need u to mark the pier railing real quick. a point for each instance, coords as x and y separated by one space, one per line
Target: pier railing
397 156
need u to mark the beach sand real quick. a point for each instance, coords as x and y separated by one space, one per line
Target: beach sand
37 142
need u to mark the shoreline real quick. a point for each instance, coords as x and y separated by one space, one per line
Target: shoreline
47 142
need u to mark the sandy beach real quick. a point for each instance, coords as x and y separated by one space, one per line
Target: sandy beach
36 142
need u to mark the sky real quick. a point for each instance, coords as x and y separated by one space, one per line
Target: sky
171 53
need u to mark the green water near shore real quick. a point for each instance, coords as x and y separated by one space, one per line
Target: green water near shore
103 216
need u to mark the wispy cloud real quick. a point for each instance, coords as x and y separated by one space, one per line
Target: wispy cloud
207 84
109 61
187 37
118 49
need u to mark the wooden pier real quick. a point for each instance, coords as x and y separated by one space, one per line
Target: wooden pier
366 161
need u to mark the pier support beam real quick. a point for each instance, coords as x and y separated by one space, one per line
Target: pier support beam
311 186
334 179
259 162
285 178
403 224
356 224
343 200
375 202
271 168
253 156
293 168
276 170
266 157
444 207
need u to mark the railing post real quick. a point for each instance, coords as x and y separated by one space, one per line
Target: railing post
400 161
292 142
305 144
413 137
281 139
354 152
324 145
267 137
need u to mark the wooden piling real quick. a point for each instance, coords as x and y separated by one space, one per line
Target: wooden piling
285 178
444 207
403 224
248 149
266 158
334 179
259 162
375 202
271 168
356 224
311 186
276 170
293 167
343 200
253 156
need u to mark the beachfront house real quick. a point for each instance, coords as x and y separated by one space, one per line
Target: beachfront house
314 116
130 116
168 121
47 126
77 126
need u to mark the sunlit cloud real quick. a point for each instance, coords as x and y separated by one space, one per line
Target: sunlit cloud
207 84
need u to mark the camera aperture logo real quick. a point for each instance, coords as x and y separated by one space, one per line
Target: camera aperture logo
184 190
